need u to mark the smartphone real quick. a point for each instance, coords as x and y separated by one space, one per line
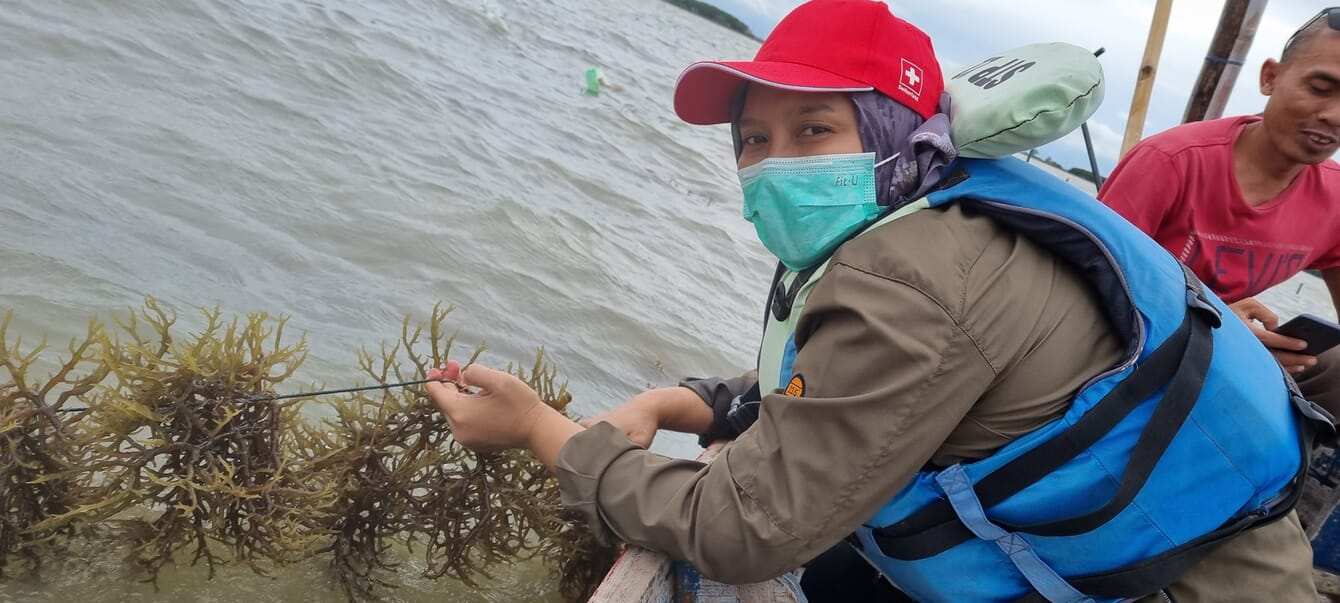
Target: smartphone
1319 333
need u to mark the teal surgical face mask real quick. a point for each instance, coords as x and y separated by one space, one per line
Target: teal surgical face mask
804 207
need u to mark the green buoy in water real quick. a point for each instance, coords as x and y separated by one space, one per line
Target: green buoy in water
593 82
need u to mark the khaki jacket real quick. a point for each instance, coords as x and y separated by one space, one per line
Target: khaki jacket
936 338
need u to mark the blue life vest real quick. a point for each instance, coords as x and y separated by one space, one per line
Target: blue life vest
1191 439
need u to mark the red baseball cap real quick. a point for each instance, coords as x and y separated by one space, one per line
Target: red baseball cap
823 46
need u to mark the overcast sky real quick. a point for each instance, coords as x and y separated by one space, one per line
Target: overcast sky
964 31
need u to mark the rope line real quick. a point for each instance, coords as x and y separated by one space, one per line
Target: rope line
324 392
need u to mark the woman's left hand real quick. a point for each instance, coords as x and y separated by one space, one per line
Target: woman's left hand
502 414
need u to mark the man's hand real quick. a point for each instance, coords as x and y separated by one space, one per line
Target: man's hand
1262 321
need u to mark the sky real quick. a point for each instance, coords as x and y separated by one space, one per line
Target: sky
964 31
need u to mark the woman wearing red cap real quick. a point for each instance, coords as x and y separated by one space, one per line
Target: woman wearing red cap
900 338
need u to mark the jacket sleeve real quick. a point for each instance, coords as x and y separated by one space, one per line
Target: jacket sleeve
720 394
888 374
1143 188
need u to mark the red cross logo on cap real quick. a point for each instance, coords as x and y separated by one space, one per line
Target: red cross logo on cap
910 80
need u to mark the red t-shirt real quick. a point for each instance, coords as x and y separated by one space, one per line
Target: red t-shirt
1179 187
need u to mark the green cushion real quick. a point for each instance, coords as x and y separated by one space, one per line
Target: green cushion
1023 98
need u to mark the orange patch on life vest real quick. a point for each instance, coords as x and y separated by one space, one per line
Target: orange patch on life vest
796 388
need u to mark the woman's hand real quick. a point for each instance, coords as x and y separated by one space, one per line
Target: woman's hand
1262 321
674 408
637 418
503 413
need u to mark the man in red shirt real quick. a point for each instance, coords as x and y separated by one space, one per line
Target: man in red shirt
1248 202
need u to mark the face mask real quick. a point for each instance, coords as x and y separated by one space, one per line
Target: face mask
804 207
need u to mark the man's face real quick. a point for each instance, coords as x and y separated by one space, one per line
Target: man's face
1302 116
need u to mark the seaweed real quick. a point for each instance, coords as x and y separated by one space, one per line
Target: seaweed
182 432
568 547
182 445
401 474
35 445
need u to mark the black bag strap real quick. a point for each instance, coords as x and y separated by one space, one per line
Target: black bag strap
782 298
773 291
744 409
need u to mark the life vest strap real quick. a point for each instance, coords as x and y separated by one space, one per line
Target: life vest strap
1184 358
958 487
936 528
1148 576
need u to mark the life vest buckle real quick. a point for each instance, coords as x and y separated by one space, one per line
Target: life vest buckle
1196 299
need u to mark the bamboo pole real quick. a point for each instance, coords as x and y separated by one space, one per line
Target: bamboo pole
1144 83
1255 10
1232 40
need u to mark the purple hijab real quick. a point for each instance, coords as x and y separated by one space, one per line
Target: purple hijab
922 145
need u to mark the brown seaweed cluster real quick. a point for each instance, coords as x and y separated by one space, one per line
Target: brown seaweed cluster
177 445
35 448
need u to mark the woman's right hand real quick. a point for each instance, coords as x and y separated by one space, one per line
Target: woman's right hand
676 408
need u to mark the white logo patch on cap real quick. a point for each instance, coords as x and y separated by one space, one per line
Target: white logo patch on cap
909 81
